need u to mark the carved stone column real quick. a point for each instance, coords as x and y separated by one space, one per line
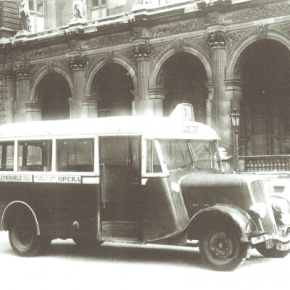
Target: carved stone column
33 111
220 105
22 91
78 63
10 79
142 104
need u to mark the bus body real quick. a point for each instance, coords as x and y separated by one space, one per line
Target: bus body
136 180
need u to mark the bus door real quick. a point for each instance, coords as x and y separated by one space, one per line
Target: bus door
120 175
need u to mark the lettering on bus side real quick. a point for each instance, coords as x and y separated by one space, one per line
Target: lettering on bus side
57 179
15 178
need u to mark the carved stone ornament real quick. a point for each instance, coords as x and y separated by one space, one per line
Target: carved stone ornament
109 56
217 39
142 50
78 62
262 31
23 70
178 45
50 66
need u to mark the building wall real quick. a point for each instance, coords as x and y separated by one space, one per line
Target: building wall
141 42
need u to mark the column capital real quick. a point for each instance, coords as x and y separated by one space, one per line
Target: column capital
78 62
34 106
142 50
157 93
22 70
216 39
9 72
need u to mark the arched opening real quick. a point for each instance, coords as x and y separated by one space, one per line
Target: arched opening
265 123
53 92
183 76
113 85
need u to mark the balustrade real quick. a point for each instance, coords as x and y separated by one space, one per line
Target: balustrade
264 163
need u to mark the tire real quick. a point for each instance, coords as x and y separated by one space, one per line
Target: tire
23 238
221 248
271 253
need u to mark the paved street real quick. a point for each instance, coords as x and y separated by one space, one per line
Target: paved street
64 266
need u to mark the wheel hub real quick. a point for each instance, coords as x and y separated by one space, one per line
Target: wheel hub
221 246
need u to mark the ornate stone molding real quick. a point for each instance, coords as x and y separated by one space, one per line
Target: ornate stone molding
200 43
142 50
49 51
50 66
90 101
179 27
78 62
261 12
216 39
109 40
156 51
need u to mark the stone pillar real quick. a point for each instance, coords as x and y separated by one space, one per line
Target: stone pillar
220 105
22 91
33 111
10 79
90 107
78 63
155 102
142 105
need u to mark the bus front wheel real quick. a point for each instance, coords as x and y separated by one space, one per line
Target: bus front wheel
23 238
221 249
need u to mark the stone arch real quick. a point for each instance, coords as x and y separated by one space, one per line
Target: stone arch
170 52
235 57
42 73
102 63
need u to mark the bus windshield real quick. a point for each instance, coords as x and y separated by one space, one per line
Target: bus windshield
200 154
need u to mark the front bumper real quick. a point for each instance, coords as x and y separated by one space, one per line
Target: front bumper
272 240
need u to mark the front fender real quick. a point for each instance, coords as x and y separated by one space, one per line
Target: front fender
222 213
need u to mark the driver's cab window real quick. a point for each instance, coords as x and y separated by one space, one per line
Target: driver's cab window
152 164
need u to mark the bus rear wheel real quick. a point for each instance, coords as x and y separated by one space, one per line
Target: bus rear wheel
23 238
221 249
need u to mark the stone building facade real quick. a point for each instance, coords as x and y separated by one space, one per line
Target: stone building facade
124 57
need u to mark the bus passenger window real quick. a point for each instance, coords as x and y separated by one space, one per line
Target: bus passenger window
75 155
153 164
34 155
6 156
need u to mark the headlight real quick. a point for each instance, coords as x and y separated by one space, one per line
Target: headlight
279 204
175 187
259 209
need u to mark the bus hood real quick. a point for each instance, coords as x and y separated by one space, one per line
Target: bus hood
211 180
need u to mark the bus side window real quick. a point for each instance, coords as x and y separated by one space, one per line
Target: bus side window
34 155
6 156
153 164
75 155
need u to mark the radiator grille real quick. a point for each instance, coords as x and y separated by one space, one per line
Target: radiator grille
259 193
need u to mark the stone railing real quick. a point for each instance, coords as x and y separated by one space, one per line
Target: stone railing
264 163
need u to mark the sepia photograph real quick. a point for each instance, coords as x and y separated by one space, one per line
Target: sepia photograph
144 144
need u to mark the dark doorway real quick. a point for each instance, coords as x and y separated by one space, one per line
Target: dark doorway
54 92
184 78
113 85
266 98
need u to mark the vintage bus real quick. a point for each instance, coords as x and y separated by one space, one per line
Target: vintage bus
134 180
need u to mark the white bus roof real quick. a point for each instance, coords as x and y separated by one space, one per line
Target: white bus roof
148 127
